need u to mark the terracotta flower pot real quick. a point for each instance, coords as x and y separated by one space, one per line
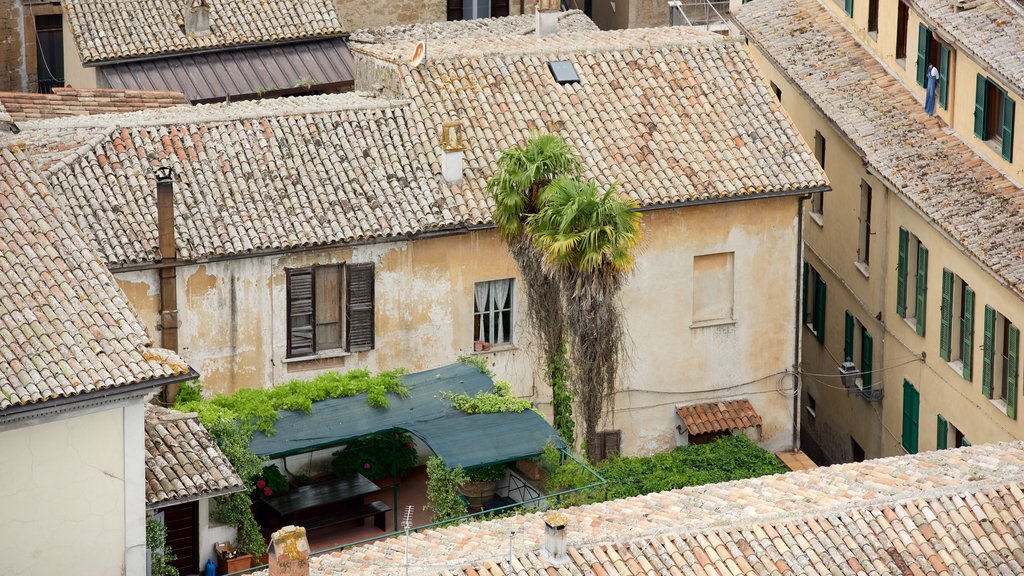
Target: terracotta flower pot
478 492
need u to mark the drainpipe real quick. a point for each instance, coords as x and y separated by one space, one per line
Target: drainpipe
796 332
168 268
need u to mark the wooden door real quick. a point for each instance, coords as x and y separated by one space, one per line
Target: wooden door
182 523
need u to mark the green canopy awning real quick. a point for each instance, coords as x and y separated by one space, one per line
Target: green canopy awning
459 439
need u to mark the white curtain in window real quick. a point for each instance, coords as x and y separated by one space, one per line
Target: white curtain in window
500 293
481 295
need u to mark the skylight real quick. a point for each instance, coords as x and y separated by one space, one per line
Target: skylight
564 72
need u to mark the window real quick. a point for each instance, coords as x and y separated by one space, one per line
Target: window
993 116
471 9
911 411
1000 350
49 52
330 307
713 288
946 432
776 90
956 337
604 445
932 52
818 198
912 278
847 6
902 23
858 344
492 312
873 17
812 408
814 302
864 243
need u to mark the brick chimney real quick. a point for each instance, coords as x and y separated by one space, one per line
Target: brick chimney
453 144
168 267
289 552
547 17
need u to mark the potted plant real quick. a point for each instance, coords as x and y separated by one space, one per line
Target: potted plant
269 482
481 485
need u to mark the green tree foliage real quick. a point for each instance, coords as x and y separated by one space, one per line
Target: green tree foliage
156 540
443 490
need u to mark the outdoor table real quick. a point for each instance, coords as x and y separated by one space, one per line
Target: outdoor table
340 496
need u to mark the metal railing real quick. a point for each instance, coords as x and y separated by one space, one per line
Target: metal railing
705 13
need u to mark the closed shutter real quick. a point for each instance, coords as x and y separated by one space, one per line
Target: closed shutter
943 87
911 407
807 272
1012 354
941 433
849 7
980 107
921 310
866 354
946 315
924 36
360 304
301 308
499 8
967 351
454 10
988 351
819 150
819 308
848 338
612 442
901 275
1007 125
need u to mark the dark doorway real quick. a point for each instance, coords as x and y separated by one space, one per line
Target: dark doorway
49 52
183 535
858 452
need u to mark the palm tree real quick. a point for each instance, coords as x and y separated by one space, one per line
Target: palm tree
587 237
516 190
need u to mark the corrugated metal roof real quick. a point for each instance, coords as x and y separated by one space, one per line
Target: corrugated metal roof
261 70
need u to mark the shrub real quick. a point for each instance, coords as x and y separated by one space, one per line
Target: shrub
500 399
156 540
270 481
443 497
486 473
376 456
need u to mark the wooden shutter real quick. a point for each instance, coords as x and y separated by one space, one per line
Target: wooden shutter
924 36
911 402
360 307
454 10
819 150
499 8
301 309
807 272
988 351
866 354
1012 354
946 315
943 87
921 310
967 350
327 295
848 338
980 107
941 433
819 307
1007 127
848 7
901 275
612 442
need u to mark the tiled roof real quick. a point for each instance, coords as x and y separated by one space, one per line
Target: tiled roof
4 116
993 31
719 416
670 115
183 462
923 159
946 512
114 29
24 106
65 327
568 22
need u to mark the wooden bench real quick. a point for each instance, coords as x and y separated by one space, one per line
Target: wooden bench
376 509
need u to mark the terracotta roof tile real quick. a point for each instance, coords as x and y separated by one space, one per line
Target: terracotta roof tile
23 106
115 29
183 462
925 161
65 327
569 21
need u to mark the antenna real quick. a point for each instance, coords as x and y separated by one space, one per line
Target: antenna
407 526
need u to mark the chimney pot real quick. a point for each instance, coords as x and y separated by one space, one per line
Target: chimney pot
289 552
547 18
555 538
165 212
453 144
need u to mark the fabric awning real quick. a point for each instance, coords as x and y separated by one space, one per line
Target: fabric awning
459 439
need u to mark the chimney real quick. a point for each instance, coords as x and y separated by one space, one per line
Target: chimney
165 212
555 535
453 144
168 270
547 17
289 552
196 16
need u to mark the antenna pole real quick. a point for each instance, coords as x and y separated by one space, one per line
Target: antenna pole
407 525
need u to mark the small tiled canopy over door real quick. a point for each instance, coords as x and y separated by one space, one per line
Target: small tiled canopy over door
183 535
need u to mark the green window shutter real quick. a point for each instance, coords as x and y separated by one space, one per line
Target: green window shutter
967 349
807 273
819 307
943 87
911 408
901 275
922 288
866 353
1013 341
1007 123
849 7
941 433
924 36
988 351
946 315
848 338
980 107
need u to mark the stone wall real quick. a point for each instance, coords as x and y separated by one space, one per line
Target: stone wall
13 75
648 13
356 14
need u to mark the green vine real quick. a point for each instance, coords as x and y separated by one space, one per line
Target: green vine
498 400
156 540
443 490
478 361
561 395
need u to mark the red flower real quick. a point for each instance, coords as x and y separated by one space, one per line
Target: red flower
366 466
260 483
410 445
267 491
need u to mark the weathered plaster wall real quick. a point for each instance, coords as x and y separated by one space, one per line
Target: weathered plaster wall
233 324
356 14
62 492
